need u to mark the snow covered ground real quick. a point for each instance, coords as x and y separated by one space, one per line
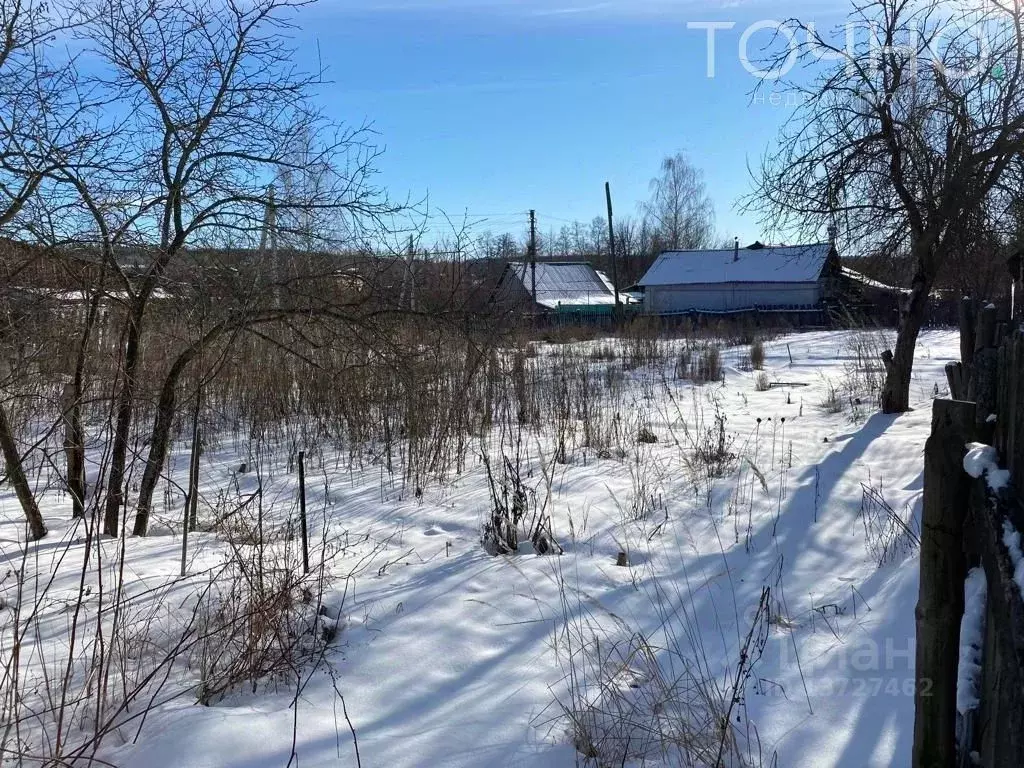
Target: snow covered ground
787 581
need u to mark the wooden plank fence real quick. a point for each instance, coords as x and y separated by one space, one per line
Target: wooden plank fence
963 525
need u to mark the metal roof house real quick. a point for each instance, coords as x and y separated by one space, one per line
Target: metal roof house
564 288
737 280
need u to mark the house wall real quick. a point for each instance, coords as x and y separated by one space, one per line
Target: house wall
729 297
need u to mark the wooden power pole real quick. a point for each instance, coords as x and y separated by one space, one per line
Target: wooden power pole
532 253
409 281
611 250
268 240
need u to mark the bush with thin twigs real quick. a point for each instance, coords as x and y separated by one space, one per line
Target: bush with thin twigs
684 362
643 345
757 355
864 372
515 515
762 382
645 698
889 535
832 402
707 365
260 623
254 620
713 447
646 437
646 474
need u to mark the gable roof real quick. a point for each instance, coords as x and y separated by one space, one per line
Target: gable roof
867 282
783 264
565 283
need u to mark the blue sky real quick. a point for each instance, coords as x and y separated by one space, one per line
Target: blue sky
497 107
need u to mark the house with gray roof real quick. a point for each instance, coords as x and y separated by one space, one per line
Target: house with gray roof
739 280
561 288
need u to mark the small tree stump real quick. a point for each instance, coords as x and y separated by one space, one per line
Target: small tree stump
622 561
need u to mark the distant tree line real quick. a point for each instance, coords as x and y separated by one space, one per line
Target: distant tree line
678 214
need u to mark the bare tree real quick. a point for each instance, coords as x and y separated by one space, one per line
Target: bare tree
39 115
910 128
976 266
679 212
209 109
636 249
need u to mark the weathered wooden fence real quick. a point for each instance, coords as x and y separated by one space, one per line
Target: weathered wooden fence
965 524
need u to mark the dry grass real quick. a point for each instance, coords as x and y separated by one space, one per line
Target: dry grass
639 699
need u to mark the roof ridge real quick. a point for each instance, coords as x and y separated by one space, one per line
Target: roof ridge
744 248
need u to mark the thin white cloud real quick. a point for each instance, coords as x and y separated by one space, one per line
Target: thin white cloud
574 10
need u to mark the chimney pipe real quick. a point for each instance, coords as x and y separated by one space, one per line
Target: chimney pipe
736 251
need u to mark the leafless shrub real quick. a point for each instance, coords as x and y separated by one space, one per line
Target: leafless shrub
757 355
712 446
684 362
642 699
254 619
509 507
707 364
646 436
762 383
259 623
832 402
864 372
515 515
642 344
646 476
889 535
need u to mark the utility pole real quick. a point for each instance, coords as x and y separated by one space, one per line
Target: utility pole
611 250
268 239
408 283
532 253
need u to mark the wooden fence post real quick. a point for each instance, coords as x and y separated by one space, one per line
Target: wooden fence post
940 603
986 371
967 336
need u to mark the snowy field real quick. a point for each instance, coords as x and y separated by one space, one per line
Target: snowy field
769 523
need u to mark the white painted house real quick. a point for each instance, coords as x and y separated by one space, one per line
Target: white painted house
735 280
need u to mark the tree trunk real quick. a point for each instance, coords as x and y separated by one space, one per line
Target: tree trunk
159 443
899 364
125 404
74 447
16 477
160 439
74 433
